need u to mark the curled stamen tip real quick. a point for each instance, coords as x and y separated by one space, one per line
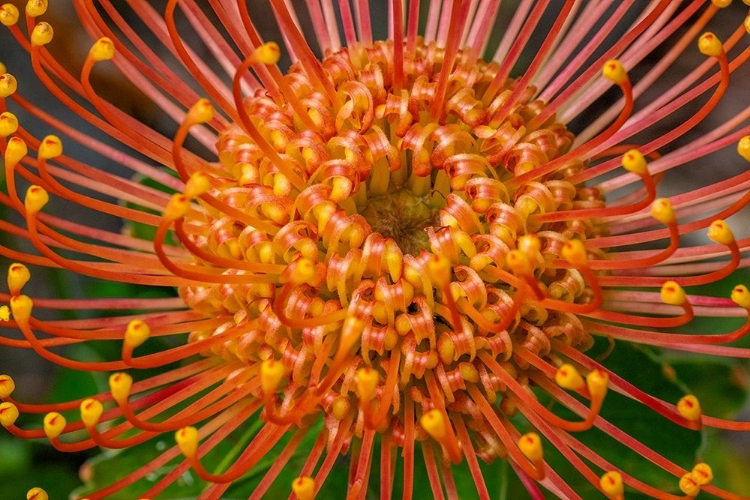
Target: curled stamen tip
201 112
36 198
18 276
198 184
9 14
36 8
673 294
102 50
8 123
689 407
7 386
268 53
702 473
187 440
4 313
611 485
743 145
271 373
21 306
615 71
91 412
710 45
741 296
120 385
568 377
367 383
661 210
50 147
8 85
529 244
531 446
747 24
721 4
719 232
633 161
36 493
41 34
433 422
575 252
54 424
689 485
16 148
304 488
8 414
136 333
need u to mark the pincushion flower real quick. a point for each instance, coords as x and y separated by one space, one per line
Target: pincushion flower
393 245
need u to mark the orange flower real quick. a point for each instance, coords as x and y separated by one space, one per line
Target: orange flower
397 242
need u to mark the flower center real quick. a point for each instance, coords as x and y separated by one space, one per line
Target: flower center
405 253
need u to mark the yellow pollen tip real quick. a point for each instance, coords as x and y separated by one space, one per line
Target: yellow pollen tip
611 484
531 446
703 474
747 24
689 407
36 8
743 146
440 270
367 383
178 207
673 294
91 412
719 232
519 263
661 210
575 252
302 271
434 423
689 485
271 373
7 386
21 306
102 50
529 244
721 4
633 161
201 112
198 184
18 276
187 440
8 414
268 53
50 147
741 296
568 377
304 488
36 198
16 148
36 493
596 382
41 34
4 313
120 385
710 45
8 124
8 85
9 14
54 424
136 333
615 71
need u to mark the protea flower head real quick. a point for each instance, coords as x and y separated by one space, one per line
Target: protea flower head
396 251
